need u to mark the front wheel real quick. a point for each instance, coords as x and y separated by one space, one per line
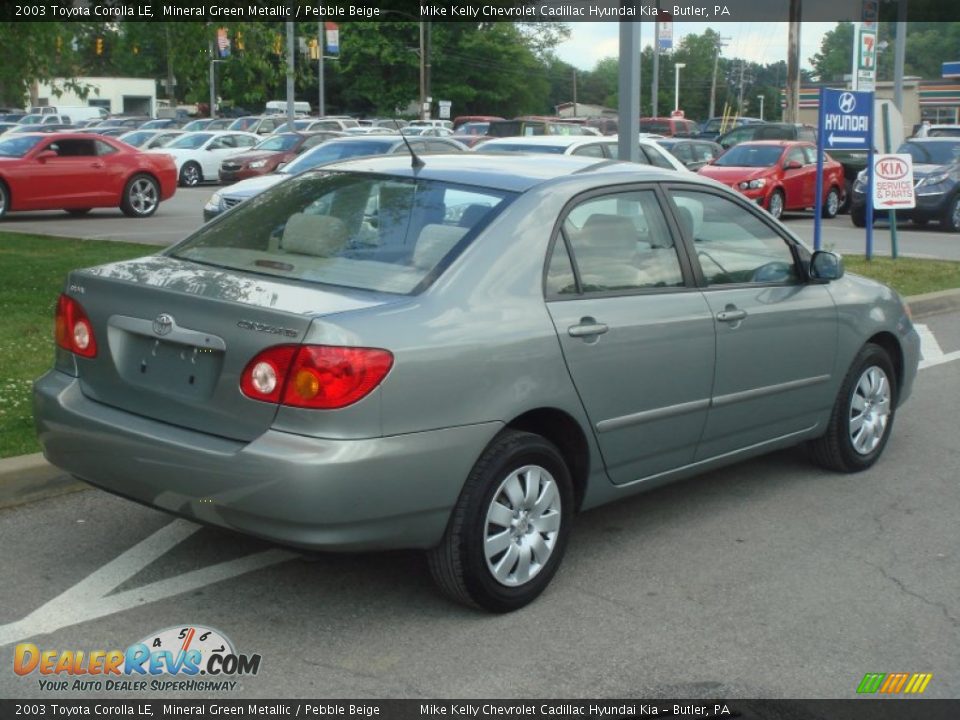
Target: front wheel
141 197
831 205
951 215
775 205
190 175
858 216
508 532
862 415
4 199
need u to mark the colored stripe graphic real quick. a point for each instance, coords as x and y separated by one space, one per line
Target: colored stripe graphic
894 683
871 682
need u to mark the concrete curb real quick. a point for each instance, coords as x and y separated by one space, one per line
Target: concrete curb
934 303
28 478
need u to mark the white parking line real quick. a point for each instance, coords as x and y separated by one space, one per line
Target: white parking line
90 598
930 349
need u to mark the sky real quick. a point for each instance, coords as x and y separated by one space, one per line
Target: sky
759 42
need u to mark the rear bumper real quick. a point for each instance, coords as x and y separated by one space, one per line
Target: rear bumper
391 492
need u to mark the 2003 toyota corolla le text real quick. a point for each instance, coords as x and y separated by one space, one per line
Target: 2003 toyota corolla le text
472 351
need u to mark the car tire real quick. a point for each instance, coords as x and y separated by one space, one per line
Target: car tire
862 415
847 198
950 222
509 529
775 204
858 216
141 197
191 175
4 199
77 212
920 222
831 204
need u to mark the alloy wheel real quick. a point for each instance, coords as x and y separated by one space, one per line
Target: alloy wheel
869 410
143 196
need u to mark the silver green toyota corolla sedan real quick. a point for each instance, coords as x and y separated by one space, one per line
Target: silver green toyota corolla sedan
459 356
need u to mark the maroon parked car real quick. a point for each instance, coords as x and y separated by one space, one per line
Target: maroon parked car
266 156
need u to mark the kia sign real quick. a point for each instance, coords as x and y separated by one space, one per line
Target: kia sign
893 182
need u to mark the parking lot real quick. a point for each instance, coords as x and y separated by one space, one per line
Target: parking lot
183 214
770 578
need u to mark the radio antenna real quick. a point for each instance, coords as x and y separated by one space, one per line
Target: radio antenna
415 161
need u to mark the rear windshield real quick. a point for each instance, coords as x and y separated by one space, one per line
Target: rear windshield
333 151
355 230
661 127
279 143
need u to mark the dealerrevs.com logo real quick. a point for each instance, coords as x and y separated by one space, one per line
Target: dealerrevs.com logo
183 658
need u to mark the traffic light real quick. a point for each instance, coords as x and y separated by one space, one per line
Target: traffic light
99 46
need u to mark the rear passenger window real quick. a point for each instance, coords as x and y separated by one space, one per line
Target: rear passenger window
621 242
590 151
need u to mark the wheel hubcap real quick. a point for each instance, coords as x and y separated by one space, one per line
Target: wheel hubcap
143 197
869 410
522 525
776 206
833 202
191 175
956 213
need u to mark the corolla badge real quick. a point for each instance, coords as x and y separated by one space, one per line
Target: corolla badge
163 324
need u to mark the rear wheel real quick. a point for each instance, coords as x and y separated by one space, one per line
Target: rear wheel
190 174
775 204
847 197
858 216
831 204
4 199
140 197
951 215
862 416
78 211
509 529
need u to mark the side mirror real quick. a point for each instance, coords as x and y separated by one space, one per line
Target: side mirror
46 155
792 165
826 266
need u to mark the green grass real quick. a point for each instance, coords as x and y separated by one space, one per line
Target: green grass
908 276
32 272
33 269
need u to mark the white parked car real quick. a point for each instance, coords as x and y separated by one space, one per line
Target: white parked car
599 147
198 155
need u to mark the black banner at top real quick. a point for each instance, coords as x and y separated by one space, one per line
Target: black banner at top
712 11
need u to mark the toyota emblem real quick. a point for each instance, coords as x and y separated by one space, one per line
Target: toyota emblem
163 324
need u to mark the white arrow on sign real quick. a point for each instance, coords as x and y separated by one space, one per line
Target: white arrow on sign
845 138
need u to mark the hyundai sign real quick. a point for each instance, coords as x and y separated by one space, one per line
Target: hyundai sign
846 119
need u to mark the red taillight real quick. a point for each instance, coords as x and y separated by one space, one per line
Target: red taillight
315 376
72 328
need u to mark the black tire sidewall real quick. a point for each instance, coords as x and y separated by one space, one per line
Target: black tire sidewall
481 585
5 193
870 355
947 221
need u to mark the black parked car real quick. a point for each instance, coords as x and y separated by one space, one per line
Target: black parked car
936 178
767 131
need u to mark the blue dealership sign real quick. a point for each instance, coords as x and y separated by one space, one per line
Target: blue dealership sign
846 117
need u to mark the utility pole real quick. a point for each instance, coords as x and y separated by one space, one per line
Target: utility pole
171 82
629 86
575 113
321 107
291 115
426 70
655 84
760 98
899 57
721 42
791 112
213 79
743 64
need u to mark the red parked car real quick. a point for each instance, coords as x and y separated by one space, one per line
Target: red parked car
779 175
264 157
77 172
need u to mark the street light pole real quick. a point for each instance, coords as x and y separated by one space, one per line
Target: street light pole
760 98
676 85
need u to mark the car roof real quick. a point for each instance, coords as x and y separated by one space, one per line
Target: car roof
938 139
547 140
515 173
781 143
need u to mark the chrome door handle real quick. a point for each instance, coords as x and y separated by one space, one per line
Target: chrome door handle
587 329
731 315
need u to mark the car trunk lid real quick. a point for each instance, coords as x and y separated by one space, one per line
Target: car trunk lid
174 338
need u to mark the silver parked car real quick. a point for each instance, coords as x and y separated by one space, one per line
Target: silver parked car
460 353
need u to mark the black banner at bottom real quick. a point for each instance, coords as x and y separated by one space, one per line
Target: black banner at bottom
854 709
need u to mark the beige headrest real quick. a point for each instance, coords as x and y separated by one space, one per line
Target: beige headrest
321 235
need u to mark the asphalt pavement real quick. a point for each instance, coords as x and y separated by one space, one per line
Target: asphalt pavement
183 213
770 578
